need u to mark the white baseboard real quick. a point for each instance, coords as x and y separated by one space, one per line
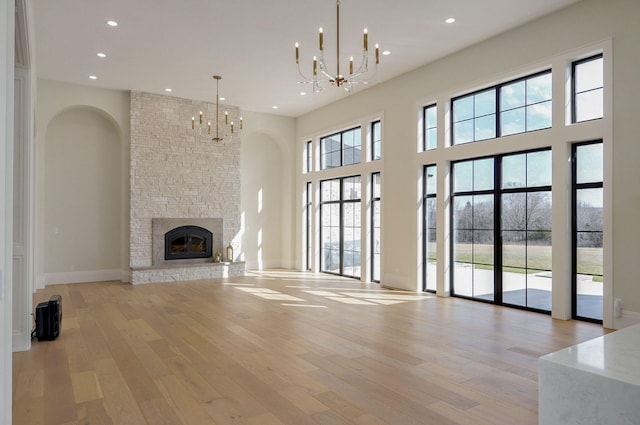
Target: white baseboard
627 318
21 342
39 282
266 265
86 276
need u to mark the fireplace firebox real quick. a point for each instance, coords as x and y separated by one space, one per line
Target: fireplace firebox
187 242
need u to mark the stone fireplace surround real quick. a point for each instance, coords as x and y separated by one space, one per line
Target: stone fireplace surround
174 174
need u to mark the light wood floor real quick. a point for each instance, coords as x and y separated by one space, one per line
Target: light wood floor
283 348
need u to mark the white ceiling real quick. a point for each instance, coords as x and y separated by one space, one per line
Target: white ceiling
181 44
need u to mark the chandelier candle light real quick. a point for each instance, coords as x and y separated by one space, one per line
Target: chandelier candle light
360 76
217 137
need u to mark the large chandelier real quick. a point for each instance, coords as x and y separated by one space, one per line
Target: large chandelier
198 125
361 75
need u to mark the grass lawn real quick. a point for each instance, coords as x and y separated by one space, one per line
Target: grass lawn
521 259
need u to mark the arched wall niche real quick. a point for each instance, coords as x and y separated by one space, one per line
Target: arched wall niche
84 197
93 109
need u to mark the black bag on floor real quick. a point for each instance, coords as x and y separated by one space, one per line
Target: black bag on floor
49 319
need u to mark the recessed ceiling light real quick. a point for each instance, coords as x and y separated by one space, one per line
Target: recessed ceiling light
93 77
450 20
274 107
303 93
101 55
112 23
168 90
222 98
386 53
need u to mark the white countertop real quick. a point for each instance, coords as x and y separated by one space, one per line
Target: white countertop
615 356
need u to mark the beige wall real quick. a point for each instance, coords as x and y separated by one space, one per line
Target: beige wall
106 113
587 27
268 166
82 199
262 202
63 107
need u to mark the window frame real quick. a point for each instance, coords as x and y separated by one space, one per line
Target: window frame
526 190
426 128
341 134
575 187
574 104
426 196
376 140
341 201
497 191
308 224
375 200
309 156
497 111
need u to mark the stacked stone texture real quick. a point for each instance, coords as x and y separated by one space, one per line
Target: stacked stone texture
177 172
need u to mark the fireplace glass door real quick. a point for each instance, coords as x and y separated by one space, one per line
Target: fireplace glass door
187 242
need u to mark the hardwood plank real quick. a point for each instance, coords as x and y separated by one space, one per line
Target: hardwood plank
235 351
28 411
119 401
266 419
303 400
159 412
340 405
85 387
59 402
94 413
185 405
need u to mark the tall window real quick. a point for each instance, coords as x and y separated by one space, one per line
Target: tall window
309 157
587 238
587 85
308 221
525 222
524 105
473 228
375 224
430 122
429 208
376 141
340 226
340 149
501 227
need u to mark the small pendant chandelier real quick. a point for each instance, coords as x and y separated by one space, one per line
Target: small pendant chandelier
199 127
361 74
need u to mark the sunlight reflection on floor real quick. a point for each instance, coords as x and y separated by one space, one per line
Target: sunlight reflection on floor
368 295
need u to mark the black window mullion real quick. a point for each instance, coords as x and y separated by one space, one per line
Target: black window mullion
341 220
341 156
451 224
498 112
425 223
574 112
497 232
309 205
